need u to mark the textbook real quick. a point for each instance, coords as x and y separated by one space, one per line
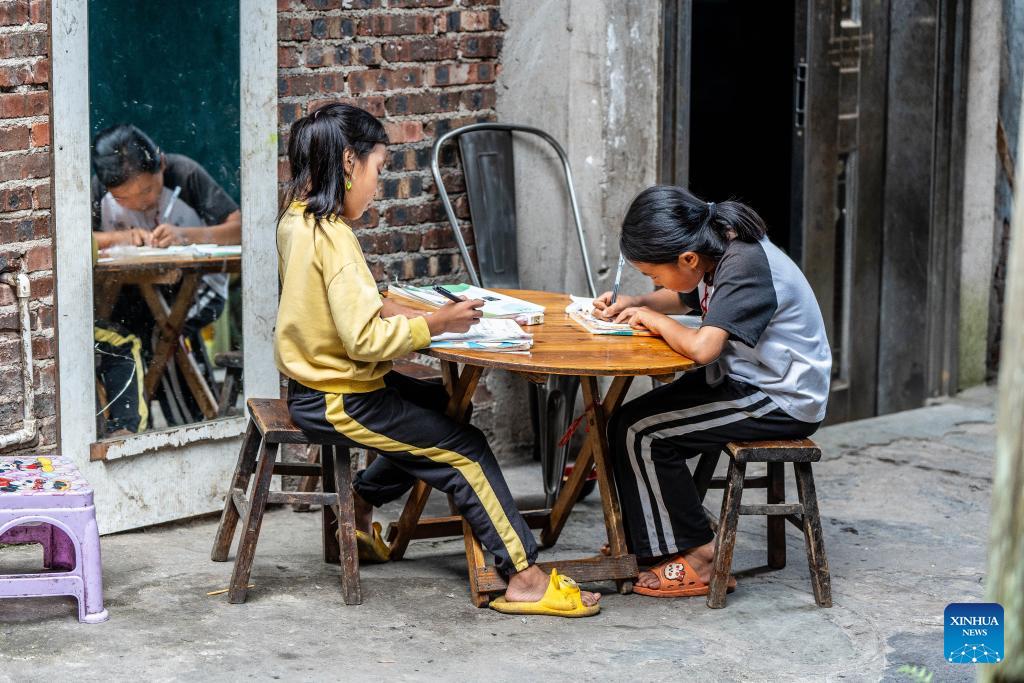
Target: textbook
122 251
490 334
496 305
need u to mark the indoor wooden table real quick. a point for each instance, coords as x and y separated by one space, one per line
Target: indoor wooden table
560 347
148 273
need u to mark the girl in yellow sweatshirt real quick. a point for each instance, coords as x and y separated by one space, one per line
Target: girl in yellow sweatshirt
336 337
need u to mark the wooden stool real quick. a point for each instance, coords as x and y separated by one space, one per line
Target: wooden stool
269 426
804 515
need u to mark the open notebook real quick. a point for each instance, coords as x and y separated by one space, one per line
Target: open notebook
581 312
490 334
496 305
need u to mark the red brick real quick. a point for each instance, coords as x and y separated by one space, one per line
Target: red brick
420 50
41 198
310 84
367 55
332 27
429 102
13 12
42 348
480 46
396 24
419 3
470 20
26 44
37 103
25 166
482 98
461 74
439 238
39 258
372 103
24 229
293 29
400 187
42 287
428 212
287 56
385 79
41 134
40 12
15 199
15 137
285 5
26 73
370 219
17 105
404 131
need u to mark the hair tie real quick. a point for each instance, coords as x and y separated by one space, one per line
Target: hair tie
711 212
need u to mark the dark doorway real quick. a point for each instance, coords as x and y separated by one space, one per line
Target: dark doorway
741 107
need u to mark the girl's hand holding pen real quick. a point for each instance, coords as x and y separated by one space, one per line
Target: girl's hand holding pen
455 317
605 309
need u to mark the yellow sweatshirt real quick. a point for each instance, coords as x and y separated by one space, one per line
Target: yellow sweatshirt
329 333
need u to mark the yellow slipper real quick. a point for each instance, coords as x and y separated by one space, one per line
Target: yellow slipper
561 599
372 548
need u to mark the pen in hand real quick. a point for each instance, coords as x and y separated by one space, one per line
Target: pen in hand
446 294
618 281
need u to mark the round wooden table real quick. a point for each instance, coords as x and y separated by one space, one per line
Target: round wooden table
560 347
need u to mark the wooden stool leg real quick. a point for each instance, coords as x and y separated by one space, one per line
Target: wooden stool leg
240 480
815 541
329 527
725 541
252 522
308 483
776 523
346 520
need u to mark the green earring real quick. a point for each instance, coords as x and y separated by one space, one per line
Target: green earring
348 184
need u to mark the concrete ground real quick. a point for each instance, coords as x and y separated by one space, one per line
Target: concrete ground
904 500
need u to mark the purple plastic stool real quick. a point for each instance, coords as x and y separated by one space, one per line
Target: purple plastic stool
43 499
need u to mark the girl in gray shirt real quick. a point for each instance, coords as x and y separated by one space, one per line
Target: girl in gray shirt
766 376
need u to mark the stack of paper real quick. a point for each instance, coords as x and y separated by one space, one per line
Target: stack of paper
496 305
487 335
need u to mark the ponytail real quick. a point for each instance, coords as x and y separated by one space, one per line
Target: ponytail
665 221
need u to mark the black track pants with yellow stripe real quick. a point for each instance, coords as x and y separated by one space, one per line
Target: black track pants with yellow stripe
405 423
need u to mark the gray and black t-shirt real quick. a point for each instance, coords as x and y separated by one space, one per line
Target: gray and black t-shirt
777 336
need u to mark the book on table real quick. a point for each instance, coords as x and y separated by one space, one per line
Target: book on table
489 334
581 312
496 305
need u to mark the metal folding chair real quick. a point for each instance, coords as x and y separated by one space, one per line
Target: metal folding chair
487 163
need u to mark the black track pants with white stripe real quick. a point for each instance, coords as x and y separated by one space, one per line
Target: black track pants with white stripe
652 437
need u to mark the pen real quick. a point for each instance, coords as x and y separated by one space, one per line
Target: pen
170 204
446 294
618 280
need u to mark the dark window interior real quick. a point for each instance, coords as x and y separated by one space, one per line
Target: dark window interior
741 107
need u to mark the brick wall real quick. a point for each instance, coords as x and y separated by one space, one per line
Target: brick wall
25 225
423 67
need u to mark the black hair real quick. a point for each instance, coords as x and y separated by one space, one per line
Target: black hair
316 148
121 152
665 221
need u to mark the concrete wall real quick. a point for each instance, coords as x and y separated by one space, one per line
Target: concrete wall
587 72
976 265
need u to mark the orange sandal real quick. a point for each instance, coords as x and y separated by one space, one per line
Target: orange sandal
676 579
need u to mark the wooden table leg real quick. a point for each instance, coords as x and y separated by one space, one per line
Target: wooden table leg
581 469
170 321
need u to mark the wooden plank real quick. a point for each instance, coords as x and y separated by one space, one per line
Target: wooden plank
796 450
587 570
170 323
349 555
817 561
229 517
298 469
239 502
197 384
252 522
313 497
780 509
776 533
274 422
725 540
750 483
